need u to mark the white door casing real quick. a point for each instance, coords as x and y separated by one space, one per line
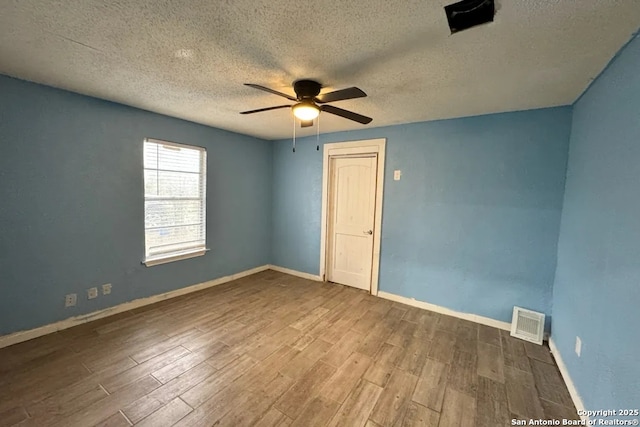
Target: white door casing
352 197
374 150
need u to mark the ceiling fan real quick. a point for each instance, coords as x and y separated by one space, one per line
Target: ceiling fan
308 97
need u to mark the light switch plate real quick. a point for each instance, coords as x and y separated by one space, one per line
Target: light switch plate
397 174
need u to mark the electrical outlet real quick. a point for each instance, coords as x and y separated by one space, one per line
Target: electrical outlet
578 346
397 174
106 289
92 293
70 300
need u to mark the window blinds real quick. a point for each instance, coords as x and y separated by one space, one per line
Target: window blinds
174 199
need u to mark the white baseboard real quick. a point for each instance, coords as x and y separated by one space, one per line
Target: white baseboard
443 310
21 336
573 391
309 276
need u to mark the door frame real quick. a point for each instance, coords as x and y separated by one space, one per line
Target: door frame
354 148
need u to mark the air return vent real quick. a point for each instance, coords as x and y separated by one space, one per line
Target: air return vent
469 13
527 325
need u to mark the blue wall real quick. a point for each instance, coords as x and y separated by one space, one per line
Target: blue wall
597 286
71 203
473 223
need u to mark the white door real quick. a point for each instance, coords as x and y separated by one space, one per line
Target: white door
352 201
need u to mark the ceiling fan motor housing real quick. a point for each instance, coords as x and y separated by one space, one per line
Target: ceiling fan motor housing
306 89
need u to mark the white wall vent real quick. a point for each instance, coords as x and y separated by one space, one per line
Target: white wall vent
527 325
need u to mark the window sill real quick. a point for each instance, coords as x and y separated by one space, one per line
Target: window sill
150 262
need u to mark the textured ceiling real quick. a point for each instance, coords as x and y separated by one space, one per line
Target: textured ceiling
189 59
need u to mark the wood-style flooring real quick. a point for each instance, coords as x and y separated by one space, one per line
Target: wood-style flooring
276 350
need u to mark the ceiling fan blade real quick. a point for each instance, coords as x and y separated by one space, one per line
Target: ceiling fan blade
259 110
275 92
346 114
306 123
340 95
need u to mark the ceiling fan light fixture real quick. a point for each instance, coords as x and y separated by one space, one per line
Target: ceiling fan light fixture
305 111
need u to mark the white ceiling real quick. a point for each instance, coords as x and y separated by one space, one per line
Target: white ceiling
190 58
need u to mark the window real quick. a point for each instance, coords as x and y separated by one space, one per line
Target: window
175 179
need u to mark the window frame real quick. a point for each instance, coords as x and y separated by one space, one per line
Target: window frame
198 251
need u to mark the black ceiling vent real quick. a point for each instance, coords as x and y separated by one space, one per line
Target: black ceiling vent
469 13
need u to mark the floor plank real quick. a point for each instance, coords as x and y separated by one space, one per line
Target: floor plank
448 323
116 420
463 374
215 383
493 407
431 385
317 413
414 355
403 334
65 403
215 408
555 411
538 352
550 384
130 375
144 406
346 377
304 360
367 322
273 418
521 393
293 401
13 416
373 341
168 415
394 399
355 411
343 348
514 352
490 362
104 408
442 346
420 416
384 364
458 409
489 335
256 402
168 372
467 338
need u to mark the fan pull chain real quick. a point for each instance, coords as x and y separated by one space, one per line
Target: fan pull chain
318 133
294 134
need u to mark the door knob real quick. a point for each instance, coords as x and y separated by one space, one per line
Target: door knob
370 232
